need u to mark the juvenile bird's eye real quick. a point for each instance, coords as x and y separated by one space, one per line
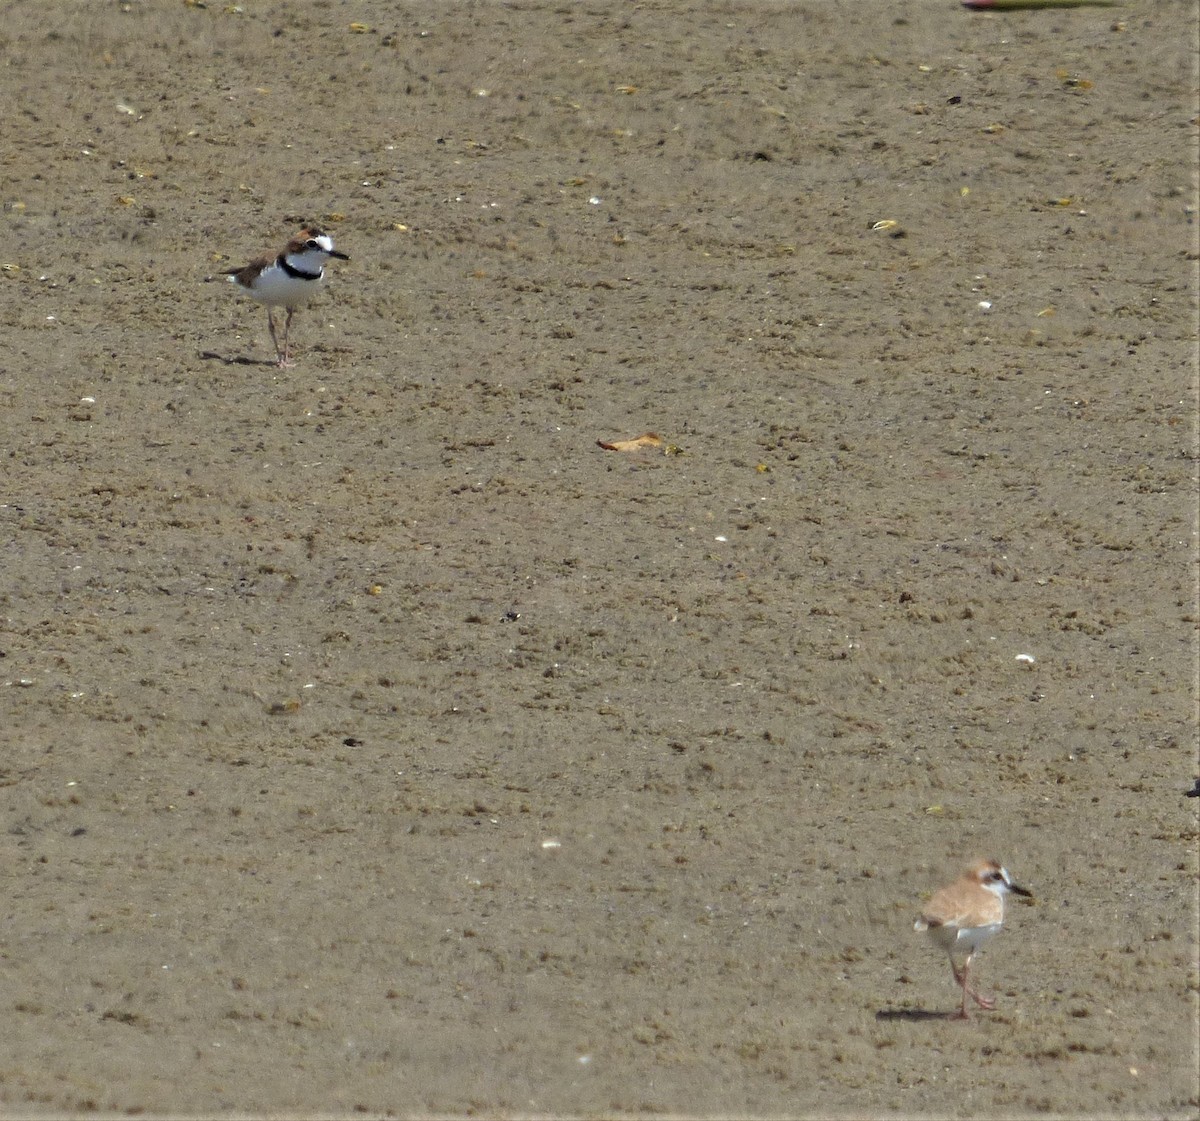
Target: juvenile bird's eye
311 244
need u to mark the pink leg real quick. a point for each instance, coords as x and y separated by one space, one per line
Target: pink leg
286 361
281 352
271 328
960 980
961 976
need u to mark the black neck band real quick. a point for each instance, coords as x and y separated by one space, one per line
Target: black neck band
295 273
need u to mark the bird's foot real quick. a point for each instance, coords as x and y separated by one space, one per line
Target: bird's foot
985 1002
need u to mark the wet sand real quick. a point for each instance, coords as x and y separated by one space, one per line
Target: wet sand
378 744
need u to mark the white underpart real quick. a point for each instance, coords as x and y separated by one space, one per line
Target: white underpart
277 288
970 938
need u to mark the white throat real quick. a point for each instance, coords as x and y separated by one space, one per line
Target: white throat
311 261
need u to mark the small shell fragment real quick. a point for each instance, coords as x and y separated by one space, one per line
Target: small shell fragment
645 440
1028 659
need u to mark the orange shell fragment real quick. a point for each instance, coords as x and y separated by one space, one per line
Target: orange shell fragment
645 440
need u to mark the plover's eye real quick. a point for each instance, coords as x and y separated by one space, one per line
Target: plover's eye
312 243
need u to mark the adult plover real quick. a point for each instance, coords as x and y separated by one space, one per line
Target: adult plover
288 279
965 914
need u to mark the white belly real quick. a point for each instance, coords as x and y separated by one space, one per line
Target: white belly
970 938
275 287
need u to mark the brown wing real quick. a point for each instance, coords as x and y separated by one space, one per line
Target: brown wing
246 274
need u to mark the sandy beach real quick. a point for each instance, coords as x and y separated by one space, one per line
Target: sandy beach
378 744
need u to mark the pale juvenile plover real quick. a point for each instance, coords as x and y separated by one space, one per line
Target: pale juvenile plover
965 914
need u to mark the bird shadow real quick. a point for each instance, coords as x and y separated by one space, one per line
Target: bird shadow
235 359
912 1015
